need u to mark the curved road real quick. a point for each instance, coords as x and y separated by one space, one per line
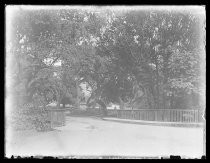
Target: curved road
95 137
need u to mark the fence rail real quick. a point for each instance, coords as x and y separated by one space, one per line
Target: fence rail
161 115
56 117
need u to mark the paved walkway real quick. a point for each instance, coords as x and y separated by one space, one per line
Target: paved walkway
90 136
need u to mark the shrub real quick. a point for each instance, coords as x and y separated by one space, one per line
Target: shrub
30 118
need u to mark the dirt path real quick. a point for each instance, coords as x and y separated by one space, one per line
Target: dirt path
89 136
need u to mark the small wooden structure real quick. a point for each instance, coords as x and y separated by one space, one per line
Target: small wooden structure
57 117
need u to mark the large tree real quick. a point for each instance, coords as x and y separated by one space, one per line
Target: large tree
38 40
134 57
142 46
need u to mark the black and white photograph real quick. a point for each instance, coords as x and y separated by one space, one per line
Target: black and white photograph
97 81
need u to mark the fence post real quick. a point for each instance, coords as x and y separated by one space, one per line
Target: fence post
172 115
190 116
196 115
168 115
155 118
181 116
178 115
175 116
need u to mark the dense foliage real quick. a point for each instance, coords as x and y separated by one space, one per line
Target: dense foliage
138 59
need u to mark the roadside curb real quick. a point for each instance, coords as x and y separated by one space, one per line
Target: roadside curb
81 116
170 124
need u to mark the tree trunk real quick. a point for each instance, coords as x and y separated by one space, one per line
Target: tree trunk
88 100
58 104
164 101
172 101
122 106
59 98
157 85
103 107
77 98
149 98
165 77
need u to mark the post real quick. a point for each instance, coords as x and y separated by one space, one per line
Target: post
197 116
155 115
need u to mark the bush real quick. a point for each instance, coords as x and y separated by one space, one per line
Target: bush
20 120
29 118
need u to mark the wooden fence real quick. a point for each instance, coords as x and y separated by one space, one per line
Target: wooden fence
57 117
161 115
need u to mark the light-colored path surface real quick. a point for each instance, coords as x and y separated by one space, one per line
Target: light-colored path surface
89 136
154 123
